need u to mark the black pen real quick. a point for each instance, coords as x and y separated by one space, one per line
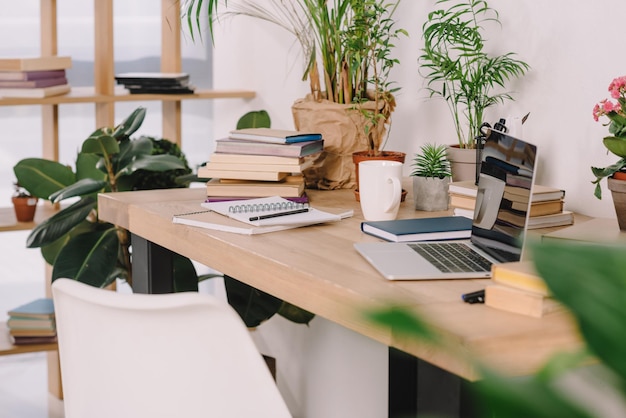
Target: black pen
276 215
474 297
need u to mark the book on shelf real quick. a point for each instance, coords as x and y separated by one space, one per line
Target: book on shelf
25 340
245 217
280 168
277 136
152 79
36 92
206 172
55 62
419 229
520 275
292 186
518 301
35 332
42 308
256 159
161 89
30 75
28 84
17 322
298 149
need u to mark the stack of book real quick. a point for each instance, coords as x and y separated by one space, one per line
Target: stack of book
546 209
516 287
155 83
33 322
260 162
35 77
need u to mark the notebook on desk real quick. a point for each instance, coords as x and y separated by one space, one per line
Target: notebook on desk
506 163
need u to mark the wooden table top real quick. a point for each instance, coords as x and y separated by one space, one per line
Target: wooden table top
317 268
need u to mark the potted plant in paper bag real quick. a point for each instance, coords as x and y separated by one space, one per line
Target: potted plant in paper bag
615 143
346 46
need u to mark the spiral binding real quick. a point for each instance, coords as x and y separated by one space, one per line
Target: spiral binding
266 207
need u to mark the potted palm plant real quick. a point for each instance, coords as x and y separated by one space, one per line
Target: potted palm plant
457 68
346 46
431 178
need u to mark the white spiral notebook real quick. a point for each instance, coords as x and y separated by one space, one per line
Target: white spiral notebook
262 215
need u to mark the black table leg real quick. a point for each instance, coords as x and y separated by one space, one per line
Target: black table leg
152 267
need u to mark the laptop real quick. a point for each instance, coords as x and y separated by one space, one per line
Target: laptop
508 165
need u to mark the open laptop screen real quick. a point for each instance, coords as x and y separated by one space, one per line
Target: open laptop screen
507 172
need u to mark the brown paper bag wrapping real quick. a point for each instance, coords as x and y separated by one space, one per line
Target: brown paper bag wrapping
341 128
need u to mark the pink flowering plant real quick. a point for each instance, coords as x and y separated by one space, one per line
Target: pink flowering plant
615 112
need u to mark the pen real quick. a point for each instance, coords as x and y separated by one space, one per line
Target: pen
276 215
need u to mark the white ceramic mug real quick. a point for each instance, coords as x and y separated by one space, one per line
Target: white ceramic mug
380 189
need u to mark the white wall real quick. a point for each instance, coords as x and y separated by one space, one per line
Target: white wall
574 51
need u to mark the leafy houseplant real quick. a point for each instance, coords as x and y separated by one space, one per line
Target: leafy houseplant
24 203
616 141
431 177
457 68
74 241
346 46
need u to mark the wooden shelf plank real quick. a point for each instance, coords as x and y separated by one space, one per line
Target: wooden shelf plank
8 222
88 95
7 348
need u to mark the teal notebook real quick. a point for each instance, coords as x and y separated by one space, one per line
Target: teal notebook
420 229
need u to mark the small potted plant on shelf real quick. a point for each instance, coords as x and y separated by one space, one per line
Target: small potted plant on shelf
431 178
346 47
616 144
457 69
24 203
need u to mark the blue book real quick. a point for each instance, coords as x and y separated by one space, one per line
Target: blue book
420 229
39 308
276 136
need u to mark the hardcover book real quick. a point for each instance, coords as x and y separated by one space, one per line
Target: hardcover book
292 186
520 275
25 84
298 149
35 63
280 168
255 159
35 93
42 308
519 301
152 78
30 75
277 136
207 173
420 229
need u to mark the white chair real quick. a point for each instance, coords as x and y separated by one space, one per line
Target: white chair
173 355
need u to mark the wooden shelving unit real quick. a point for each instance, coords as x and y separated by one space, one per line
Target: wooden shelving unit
104 94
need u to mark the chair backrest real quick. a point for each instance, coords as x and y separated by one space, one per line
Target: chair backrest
173 355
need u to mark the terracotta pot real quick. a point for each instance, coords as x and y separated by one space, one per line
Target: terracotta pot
359 156
462 163
618 193
24 208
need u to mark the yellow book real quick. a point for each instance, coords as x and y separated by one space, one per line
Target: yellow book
519 301
520 275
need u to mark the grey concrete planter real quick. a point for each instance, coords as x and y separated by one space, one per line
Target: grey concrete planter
430 193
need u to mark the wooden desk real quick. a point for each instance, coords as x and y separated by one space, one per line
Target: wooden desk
318 269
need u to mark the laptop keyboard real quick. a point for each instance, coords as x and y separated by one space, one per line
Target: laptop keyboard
452 257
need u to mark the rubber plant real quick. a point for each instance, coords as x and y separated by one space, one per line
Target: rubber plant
74 241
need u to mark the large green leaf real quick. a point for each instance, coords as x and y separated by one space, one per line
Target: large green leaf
152 163
80 188
43 177
90 258
100 145
60 223
252 305
87 167
132 149
616 145
50 251
132 122
254 119
589 279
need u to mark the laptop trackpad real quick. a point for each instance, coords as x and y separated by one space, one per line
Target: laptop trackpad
397 261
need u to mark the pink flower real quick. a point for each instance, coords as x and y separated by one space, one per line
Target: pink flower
611 107
617 87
